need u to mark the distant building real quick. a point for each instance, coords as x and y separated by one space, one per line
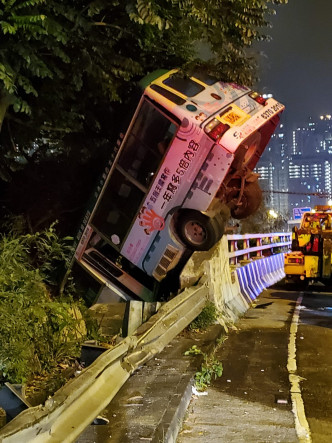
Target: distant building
273 170
296 163
310 162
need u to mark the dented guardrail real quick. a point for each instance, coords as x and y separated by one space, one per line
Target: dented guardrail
64 416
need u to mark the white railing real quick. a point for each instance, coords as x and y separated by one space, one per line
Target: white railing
265 245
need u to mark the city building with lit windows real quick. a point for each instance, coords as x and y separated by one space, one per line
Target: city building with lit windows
310 163
273 171
296 165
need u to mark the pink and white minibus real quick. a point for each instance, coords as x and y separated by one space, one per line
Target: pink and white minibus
184 163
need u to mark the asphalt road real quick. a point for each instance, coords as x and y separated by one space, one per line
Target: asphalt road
275 387
314 360
277 379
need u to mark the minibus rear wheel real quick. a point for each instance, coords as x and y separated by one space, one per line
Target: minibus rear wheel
198 231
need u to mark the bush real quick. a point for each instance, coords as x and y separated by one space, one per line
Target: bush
206 318
37 329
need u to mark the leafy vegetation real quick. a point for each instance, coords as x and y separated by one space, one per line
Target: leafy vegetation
210 370
206 318
37 329
262 221
64 65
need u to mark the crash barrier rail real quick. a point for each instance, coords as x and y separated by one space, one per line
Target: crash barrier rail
238 269
261 265
264 244
64 416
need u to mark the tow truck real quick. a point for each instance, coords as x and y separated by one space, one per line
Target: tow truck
310 258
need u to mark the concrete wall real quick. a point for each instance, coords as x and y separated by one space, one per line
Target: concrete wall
232 287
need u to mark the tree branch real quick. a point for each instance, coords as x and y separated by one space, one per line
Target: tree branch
5 101
108 25
30 125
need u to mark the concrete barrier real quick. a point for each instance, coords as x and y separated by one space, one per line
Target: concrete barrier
245 284
234 287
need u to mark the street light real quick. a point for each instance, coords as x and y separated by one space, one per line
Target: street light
272 213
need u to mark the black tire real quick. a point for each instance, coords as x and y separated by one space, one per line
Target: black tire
250 202
198 231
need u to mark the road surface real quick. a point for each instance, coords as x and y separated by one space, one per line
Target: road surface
277 379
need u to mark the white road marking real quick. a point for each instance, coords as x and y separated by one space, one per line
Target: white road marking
301 423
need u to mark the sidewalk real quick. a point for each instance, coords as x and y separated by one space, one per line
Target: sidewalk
249 403
152 403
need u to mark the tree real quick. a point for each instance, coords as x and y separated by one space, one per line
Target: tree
58 61
62 64
264 220
67 70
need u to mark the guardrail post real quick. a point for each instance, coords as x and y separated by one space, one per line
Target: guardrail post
3 417
233 248
259 243
246 245
133 317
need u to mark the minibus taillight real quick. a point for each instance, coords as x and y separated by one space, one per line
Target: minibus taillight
258 98
216 129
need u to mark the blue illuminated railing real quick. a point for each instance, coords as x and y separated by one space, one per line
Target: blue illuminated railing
240 246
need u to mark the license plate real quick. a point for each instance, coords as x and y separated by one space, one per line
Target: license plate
234 117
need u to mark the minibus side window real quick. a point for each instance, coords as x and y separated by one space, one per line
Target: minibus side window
146 144
118 206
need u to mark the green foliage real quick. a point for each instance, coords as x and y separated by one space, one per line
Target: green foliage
194 350
261 222
206 318
63 65
210 370
37 331
45 250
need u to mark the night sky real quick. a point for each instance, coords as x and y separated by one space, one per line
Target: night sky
297 64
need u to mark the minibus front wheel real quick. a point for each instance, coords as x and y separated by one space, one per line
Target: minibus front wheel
198 231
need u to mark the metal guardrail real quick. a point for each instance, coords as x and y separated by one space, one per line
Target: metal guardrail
264 242
65 416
